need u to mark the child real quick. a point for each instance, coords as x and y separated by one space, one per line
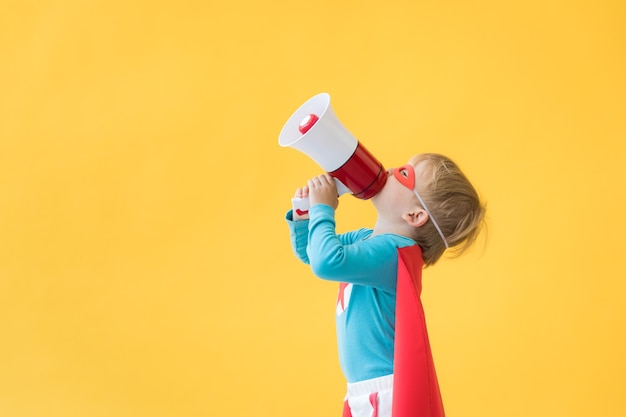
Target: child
424 208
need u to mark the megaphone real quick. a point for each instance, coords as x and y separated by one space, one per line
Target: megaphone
314 130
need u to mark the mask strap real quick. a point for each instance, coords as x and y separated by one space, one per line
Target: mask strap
432 219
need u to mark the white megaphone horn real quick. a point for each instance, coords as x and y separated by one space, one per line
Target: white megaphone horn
315 131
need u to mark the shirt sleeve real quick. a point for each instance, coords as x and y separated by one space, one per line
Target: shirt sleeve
299 235
372 262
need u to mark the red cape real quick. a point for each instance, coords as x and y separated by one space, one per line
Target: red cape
415 387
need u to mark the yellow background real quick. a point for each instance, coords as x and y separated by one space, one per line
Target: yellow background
145 267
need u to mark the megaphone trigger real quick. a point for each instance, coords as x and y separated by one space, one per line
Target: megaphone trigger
341 188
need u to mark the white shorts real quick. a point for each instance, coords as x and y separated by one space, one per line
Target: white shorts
369 398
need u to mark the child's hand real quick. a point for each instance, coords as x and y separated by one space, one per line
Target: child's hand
323 190
300 204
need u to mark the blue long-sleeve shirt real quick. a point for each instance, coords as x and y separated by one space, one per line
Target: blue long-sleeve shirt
367 267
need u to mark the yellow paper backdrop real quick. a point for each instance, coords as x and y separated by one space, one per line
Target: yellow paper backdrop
145 267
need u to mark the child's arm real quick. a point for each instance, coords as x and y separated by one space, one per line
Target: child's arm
297 220
298 216
372 262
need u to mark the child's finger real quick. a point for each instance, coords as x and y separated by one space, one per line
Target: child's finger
313 182
302 192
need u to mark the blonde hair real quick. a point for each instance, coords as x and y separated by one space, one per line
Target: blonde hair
453 202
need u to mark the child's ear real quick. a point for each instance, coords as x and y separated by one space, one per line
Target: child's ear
416 217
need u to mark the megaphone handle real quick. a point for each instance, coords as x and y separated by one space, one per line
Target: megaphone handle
300 207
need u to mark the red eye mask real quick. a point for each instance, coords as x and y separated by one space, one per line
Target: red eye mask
406 176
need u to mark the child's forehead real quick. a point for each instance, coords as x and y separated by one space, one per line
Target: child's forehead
424 168
420 162
416 159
